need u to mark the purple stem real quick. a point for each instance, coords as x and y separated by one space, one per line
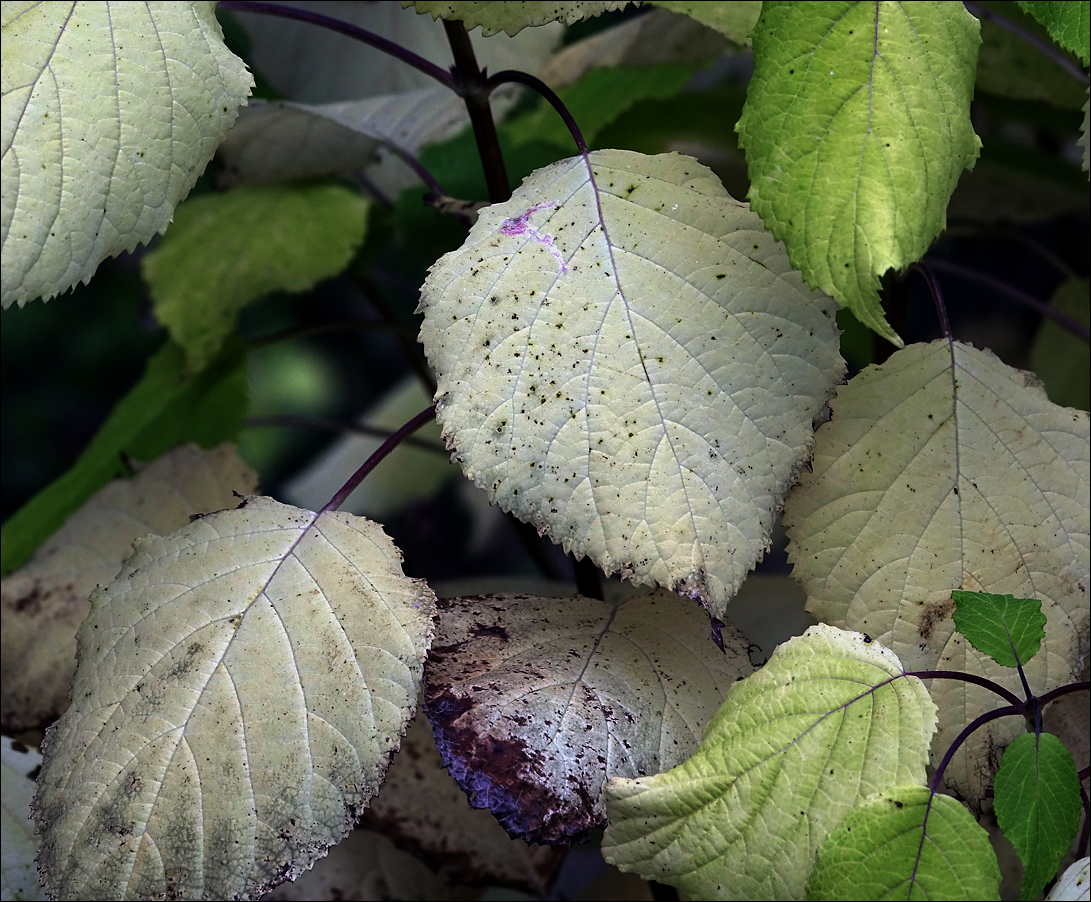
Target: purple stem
937 297
980 721
353 31
377 457
1005 694
1062 319
1081 686
1047 48
548 93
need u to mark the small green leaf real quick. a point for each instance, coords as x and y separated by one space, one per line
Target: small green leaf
830 718
165 408
903 844
856 129
1069 24
226 250
1038 805
1008 629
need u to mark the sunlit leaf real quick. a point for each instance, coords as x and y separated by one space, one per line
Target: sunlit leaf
1008 629
856 129
828 720
907 844
944 469
241 688
626 360
1037 804
45 601
535 702
110 113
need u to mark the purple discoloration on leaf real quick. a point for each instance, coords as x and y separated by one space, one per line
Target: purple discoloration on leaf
518 225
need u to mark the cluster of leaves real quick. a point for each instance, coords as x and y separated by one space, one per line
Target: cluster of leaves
625 357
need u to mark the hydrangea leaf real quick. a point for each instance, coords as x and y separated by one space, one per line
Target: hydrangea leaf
1073 884
43 603
1058 357
1008 629
18 875
168 406
1037 805
945 469
627 361
856 128
535 702
733 20
226 250
514 17
241 688
110 113
1069 24
907 844
829 719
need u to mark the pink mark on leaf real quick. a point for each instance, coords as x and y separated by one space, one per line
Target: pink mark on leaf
518 225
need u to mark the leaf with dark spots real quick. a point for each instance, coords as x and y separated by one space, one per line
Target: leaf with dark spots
535 702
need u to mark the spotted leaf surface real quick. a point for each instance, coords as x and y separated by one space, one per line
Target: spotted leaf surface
945 469
627 361
110 113
241 687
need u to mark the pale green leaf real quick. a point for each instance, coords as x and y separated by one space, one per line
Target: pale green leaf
1074 884
734 19
226 250
241 687
1037 804
18 875
536 702
907 844
43 603
1083 139
856 128
944 469
1008 629
514 17
421 807
1069 24
110 113
627 361
166 407
828 720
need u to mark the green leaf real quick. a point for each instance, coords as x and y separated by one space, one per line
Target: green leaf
945 469
514 17
1069 24
906 844
45 601
165 408
597 338
856 128
110 113
734 19
536 702
829 719
1037 805
226 250
1008 629
241 689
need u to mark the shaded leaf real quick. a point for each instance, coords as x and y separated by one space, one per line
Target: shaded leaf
535 702
226 250
597 339
18 875
167 407
735 20
111 111
1008 629
944 469
829 719
241 688
43 603
1069 24
1037 805
1073 884
423 810
514 17
906 843
1060 358
871 103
